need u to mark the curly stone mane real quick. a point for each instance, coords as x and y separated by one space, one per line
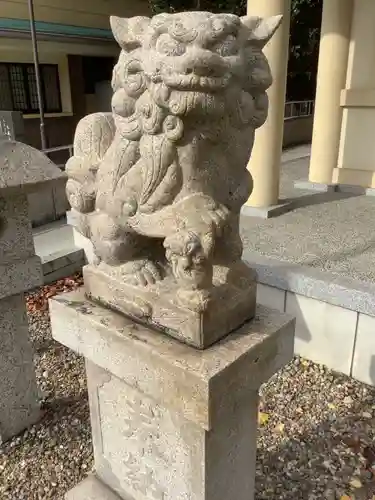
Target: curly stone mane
170 82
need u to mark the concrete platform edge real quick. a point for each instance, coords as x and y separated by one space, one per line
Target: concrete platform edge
320 285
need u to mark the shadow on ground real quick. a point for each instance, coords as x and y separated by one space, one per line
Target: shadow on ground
303 450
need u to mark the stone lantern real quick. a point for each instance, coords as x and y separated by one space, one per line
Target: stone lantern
23 169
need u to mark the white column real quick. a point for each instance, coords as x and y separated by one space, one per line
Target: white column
332 69
265 160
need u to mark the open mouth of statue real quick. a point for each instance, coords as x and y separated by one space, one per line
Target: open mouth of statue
192 81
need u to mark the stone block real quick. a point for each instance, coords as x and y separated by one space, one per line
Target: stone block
168 420
20 276
16 240
267 212
324 333
85 244
271 297
52 239
121 346
60 199
41 206
63 264
19 404
73 218
364 350
145 450
315 186
233 302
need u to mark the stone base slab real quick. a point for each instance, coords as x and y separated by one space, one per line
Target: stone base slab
267 212
91 489
233 303
315 187
124 348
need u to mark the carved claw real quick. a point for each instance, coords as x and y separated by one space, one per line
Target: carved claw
142 273
216 218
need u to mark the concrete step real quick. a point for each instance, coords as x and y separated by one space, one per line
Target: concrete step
55 246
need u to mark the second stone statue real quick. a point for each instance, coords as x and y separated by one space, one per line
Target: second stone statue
158 184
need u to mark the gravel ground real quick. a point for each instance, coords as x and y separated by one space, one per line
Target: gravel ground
316 428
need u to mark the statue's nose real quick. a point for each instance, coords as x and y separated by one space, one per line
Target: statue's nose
202 63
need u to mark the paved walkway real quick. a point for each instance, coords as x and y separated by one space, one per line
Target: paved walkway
329 231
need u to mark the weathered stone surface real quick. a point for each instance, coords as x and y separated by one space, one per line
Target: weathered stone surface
156 305
160 184
187 380
16 239
170 421
144 450
20 268
19 401
20 276
73 218
23 168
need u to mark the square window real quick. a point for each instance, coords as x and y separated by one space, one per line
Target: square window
19 92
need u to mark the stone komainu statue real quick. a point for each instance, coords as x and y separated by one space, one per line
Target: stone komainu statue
160 182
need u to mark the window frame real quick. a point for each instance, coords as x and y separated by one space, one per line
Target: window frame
29 110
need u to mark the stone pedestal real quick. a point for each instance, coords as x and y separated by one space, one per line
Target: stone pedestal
157 189
22 169
170 421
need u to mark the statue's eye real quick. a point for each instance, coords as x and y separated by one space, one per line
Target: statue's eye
169 46
227 47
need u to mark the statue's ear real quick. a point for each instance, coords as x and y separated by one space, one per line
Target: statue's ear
129 33
261 29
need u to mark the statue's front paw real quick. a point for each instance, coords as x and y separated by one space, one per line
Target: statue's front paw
216 218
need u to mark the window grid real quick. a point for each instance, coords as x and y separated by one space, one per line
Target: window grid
18 88
6 101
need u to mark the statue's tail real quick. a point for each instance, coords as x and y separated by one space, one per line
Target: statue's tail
93 137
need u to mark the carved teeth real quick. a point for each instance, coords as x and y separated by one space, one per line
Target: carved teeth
194 82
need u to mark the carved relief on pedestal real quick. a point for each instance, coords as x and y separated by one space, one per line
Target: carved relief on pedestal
160 183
